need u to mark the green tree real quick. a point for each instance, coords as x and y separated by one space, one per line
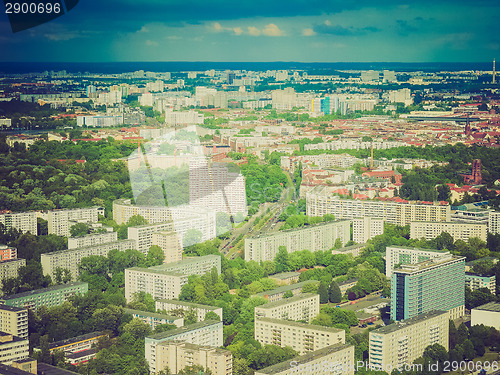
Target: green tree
212 316
323 293
155 256
79 229
281 260
288 294
334 293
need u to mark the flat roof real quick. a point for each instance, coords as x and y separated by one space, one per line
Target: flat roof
12 308
427 264
44 290
490 306
284 275
72 340
152 314
286 288
304 359
264 235
286 301
189 304
300 325
183 262
177 331
155 271
404 323
419 249
45 369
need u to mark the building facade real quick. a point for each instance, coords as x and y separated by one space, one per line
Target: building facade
475 281
14 320
201 310
301 337
318 237
176 355
434 284
60 221
459 231
169 242
12 348
487 314
160 284
401 343
92 239
207 333
401 212
365 228
395 255
51 296
71 258
332 360
302 307
23 221
154 319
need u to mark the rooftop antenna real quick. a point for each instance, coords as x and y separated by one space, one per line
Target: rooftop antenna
493 80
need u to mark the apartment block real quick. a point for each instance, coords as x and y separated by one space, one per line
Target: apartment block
301 337
143 234
400 212
177 355
475 281
60 221
434 284
14 320
278 293
401 343
10 268
7 253
494 222
217 186
365 228
487 314
398 255
332 360
303 307
12 348
154 319
92 239
459 231
51 296
160 284
201 310
192 266
313 238
23 221
169 242
206 333
71 258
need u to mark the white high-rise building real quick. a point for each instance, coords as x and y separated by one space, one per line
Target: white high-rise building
216 187
459 231
60 221
494 222
365 228
23 221
398 255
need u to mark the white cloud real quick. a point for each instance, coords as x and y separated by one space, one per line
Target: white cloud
238 30
252 30
308 32
151 43
272 30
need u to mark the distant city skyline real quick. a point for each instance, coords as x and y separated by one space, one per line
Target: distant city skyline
313 31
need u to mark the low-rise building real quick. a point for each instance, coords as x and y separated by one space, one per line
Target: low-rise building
402 342
52 296
475 281
173 307
354 250
77 343
301 337
278 294
154 319
177 355
285 278
207 333
335 359
303 307
487 314
345 285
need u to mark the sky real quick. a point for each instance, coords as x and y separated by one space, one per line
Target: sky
262 30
